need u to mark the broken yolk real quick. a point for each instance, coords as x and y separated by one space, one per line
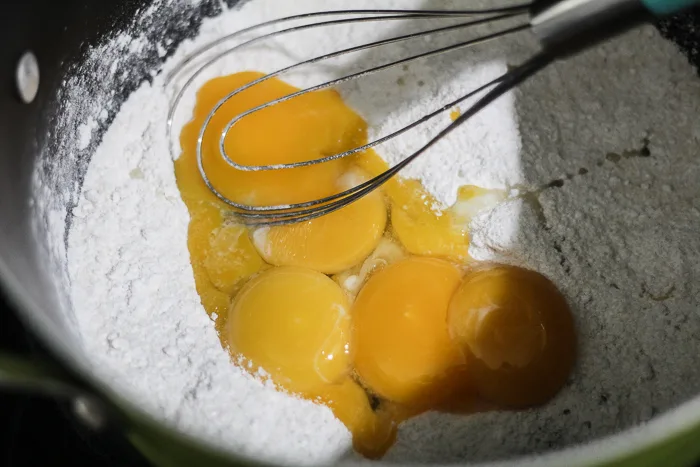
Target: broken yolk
418 220
516 332
395 331
331 243
231 258
373 430
403 351
294 323
425 230
215 275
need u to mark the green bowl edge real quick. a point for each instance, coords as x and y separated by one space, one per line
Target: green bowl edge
166 448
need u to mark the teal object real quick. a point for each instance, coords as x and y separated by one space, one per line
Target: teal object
668 7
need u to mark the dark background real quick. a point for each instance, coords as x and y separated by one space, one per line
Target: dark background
37 431
40 432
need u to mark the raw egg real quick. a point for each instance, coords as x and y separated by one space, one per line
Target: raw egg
214 274
396 330
424 229
294 323
331 243
224 257
373 428
422 225
516 331
301 129
231 258
403 351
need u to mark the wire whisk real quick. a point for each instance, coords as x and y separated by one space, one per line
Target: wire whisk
562 28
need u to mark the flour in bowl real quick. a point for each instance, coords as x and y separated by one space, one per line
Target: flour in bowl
598 155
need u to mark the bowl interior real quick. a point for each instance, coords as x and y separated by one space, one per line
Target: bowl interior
609 207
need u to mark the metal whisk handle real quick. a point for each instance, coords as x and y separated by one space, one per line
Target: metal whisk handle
567 26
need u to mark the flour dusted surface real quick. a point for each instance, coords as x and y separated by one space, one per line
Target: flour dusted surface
604 202
610 210
144 319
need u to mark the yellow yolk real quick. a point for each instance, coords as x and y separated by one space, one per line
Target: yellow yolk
373 431
455 114
390 335
424 230
231 259
223 256
419 222
206 252
331 243
387 252
309 127
416 217
403 351
293 323
517 333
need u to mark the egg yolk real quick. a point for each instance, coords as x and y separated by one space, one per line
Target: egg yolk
373 430
223 257
403 351
395 331
331 243
278 134
388 251
215 276
424 229
421 224
417 219
516 332
294 323
232 258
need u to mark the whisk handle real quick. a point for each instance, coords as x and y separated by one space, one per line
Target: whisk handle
668 7
567 26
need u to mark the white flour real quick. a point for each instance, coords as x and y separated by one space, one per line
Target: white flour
615 231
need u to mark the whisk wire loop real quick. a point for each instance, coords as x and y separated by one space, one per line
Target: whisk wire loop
375 14
365 16
500 85
292 213
335 82
562 27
